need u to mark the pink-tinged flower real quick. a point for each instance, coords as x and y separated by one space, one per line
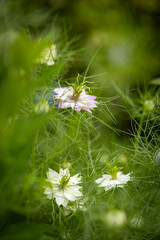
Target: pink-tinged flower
78 101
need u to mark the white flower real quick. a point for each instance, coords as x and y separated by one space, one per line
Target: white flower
115 218
63 187
149 105
78 101
137 221
42 107
78 204
108 182
48 55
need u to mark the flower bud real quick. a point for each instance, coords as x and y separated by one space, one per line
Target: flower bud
42 107
149 105
67 165
136 222
157 156
115 219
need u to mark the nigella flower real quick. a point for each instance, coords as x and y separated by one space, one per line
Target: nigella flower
115 179
74 206
149 105
44 101
42 107
76 98
48 55
157 156
115 218
137 221
63 188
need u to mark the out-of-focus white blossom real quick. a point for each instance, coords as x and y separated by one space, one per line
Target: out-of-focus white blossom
48 55
74 206
67 165
149 105
136 221
42 107
115 219
122 158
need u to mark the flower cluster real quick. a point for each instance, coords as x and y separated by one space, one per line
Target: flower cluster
64 188
68 98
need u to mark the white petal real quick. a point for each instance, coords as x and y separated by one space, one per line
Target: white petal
119 174
108 188
50 62
49 193
64 94
52 173
48 190
60 198
74 190
106 176
120 185
69 194
67 104
64 172
60 91
50 196
74 179
105 182
123 178
99 180
65 202
53 176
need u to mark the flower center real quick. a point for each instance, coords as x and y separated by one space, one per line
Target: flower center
78 87
113 172
64 181
75 96
77 91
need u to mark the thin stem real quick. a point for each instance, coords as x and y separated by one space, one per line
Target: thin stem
139 131
34 152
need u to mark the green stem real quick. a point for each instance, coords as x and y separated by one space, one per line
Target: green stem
139 131
34 153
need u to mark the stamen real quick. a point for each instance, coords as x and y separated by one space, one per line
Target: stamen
64 181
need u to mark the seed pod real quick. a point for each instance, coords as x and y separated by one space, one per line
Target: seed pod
157 156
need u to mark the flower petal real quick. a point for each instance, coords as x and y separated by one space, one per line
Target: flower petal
67 104
60 198
69 194
49 193
74 179
52 176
